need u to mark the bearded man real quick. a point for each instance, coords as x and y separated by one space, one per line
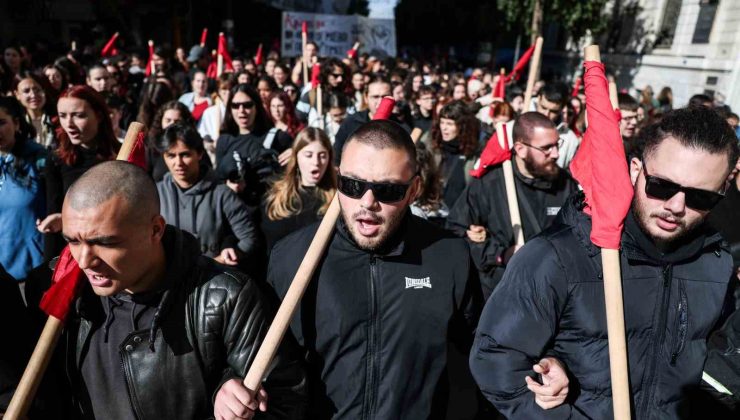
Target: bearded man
482 212
675 275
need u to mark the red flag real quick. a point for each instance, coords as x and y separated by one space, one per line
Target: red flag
500 90
600 165
315 71
110 47
66 281
385 108
203 37
304 28
138 152
212 71
576 87
493 154
258 56
352 53
148 70
521 64
222 51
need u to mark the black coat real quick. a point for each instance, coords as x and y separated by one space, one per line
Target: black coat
484 203
551 303
211 323
376 326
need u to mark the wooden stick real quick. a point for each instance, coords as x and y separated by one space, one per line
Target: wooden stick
614 95
39 361
613 297
533 70
283 316
416 134
511 198
219 58
304 40
320 106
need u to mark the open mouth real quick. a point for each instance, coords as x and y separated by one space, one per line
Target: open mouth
667 224
99 280
368 226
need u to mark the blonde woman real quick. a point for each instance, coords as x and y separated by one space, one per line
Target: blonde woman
302 194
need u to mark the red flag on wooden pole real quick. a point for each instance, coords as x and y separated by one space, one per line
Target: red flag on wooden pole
110 47
258 56
203 37
150 62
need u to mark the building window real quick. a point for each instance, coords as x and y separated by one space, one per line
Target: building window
668 26
707 10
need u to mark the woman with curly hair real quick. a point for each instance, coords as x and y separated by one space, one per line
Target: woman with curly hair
302 194
86 138
454 144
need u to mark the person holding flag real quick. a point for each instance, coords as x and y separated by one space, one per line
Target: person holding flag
675 273
482 212
140 346
384 300
334 77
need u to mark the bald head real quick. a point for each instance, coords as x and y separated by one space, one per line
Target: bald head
116 178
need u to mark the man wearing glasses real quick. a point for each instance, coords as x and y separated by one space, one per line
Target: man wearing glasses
482 212
675 274
628 124
390 293
334 78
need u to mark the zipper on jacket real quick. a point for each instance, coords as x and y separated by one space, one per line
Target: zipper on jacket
128 383
372 344
662 320
682 324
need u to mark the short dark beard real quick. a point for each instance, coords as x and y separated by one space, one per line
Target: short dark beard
392 226
541 171
662 244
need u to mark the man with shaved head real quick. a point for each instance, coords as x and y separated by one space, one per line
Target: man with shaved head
161 331
390 293
482 212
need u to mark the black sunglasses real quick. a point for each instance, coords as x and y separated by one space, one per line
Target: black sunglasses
246 105
696 198
385 192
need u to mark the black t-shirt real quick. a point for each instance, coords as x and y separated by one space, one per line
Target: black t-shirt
723 218
423 123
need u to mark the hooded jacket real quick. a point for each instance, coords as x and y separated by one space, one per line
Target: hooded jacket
205 329
210 211
551 303
375 326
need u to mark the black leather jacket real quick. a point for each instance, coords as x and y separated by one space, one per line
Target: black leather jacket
206 330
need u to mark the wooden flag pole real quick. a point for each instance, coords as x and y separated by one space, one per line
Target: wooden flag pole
39 361
511 198
614 95
303 276
533 71
614 301
219 58
304 41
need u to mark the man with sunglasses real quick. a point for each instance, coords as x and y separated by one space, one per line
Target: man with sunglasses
675 274
390 292
482 212
334 78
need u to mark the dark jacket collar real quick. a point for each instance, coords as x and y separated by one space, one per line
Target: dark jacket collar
536 183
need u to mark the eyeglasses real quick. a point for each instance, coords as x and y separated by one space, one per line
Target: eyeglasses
547 150
664 189
246 105
385 192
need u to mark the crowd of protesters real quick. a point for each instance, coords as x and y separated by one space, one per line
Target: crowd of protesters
243 160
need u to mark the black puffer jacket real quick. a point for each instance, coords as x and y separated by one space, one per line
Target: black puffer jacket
551 303
207 329
375 326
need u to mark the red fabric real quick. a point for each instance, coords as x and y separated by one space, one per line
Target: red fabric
500 90
351 53
66 281
212 70
223 52
493 154
304 27
600 165
520 65
315 71
203 37
385 108
576 87
138 152
258 56
110 47
198 110
148 70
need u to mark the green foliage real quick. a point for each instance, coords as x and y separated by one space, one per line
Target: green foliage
575 16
